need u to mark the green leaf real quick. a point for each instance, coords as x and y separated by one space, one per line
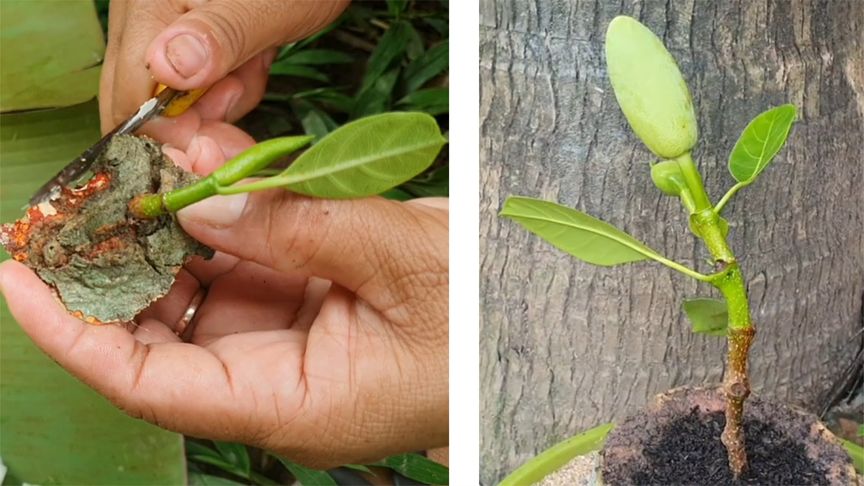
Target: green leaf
236 454
219 462
397 194
440 25
358 467
318 57
201 479
415 46
430 64
856 453
576 233
315 122
434 184
418 468
396 7
557 456
376 99
366 157
55 429
299 71
306 476
708 316
760 142
434 101
331 97
860 430
51 54
390 48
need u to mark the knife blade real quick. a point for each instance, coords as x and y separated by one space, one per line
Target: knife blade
81 164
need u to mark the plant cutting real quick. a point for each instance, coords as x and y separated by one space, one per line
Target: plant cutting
111 247
656 102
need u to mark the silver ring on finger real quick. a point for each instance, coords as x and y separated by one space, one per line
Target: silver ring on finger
185 327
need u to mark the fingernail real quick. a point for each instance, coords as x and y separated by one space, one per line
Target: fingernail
217 211
186 54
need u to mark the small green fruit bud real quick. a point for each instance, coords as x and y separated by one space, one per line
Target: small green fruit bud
668 178
650 89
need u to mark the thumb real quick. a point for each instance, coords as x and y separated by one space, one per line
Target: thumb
211 40
379 249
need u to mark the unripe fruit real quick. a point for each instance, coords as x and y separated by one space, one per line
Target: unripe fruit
650 89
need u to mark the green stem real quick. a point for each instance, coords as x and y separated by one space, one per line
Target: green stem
694 182
736 382
726 197
248 162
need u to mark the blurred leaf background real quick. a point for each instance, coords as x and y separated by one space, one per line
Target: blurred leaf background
379 56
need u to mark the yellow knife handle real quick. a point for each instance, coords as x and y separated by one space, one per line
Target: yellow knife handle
181 103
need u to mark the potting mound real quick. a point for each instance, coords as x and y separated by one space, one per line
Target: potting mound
690 452
104 265
677 441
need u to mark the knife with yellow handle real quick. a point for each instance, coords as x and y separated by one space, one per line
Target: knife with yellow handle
166 101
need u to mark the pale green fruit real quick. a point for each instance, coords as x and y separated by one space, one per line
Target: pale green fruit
649 88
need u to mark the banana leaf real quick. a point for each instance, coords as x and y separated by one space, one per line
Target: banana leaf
54 429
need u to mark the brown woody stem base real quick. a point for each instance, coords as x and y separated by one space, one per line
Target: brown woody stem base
736 386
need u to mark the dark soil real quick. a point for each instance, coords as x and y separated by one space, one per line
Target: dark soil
676 441
690 452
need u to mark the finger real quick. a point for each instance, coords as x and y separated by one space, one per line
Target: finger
212 40
152 331
239 92
373 247
206 271
116 20
170 308
132 81
198 146
251 298
180 386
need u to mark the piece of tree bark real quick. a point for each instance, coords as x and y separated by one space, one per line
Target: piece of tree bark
566 345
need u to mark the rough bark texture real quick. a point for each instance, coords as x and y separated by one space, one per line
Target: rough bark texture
566 345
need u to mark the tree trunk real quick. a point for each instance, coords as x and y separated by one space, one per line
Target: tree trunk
566 345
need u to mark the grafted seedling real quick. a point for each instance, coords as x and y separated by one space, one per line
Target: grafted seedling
362 158
656 102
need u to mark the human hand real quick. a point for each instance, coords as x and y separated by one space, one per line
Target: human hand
226 45
322 336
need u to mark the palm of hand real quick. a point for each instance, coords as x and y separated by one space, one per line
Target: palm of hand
278 356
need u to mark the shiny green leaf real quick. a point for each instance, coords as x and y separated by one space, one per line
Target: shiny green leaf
390 48
50 54
434 101
298 71
318 57
430 64
376 99
56 430
707 316
856 453
201 479
760 142
306 476
236 454
417 467
366 157
557 456
576 233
